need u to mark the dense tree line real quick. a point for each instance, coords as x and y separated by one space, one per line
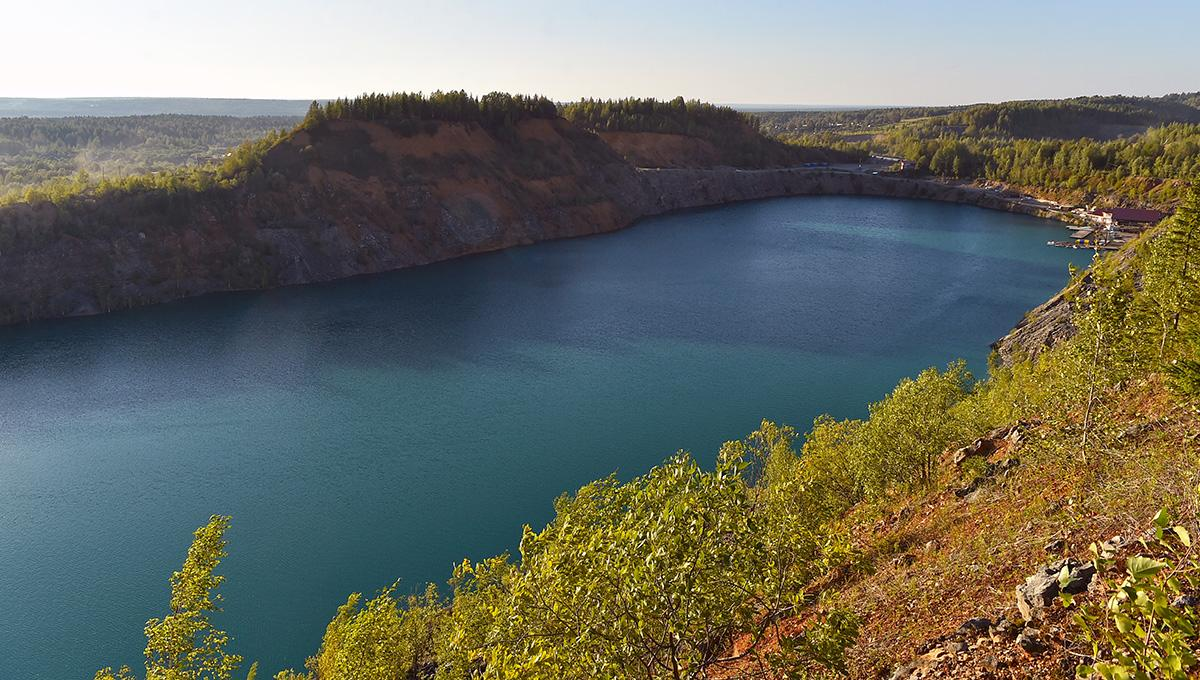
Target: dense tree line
736 135
1088 149
1095 117
37 150
1148 167
496 109
677 116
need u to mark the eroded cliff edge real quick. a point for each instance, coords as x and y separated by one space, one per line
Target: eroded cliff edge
350 198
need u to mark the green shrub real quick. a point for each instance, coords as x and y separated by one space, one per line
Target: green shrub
1146 629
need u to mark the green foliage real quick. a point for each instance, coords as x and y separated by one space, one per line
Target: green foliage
494 110
236 167
1133 168
830 466
1133 149
1169 281
1146 629
908 430
677 116
54 155
651 578
380 639
735 134
184 645
1185 372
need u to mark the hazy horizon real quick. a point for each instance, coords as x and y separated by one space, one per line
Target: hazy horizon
763 53
13 101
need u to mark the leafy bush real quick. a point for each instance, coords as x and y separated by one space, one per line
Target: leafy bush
184 645
908 430
1148 627
652 577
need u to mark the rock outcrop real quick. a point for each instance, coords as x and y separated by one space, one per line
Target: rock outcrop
349 198
1041 589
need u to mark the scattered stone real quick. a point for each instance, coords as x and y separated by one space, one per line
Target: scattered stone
967 490
904 560
1004 630
1030 640
956 647
905 670
973 628
1136 430
1055 546
1004 465
1113 546
1040 590
980 447
1186 602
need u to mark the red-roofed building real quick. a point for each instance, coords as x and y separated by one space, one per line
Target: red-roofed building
1125 217
1133 216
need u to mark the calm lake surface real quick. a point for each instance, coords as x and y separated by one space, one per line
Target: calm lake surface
386 427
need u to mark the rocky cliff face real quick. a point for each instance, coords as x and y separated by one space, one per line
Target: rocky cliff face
676 189
352 198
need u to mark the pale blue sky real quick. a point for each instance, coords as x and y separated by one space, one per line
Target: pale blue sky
755 51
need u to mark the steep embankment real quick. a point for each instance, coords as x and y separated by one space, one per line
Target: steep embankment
345 198
744 149
350 197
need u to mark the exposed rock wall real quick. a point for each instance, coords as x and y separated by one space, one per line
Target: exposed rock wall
358 198
677 189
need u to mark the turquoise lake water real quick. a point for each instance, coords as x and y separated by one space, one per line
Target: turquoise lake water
386 427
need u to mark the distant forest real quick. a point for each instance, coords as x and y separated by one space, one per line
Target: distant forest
1109 149
677 116
737 135
494 110
34 151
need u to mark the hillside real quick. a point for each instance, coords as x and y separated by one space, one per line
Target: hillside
1097 117
1036 523
1104 151
338 199
650 133
34 151
365 185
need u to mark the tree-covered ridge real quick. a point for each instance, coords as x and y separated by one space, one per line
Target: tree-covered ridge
491 110
734 137
1107 150
677 116
407 113
37 150
1096 117
1148 167
232 169
692 573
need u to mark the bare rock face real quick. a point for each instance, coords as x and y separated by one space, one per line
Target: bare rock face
1042 328
1040 590
1051 322
348 198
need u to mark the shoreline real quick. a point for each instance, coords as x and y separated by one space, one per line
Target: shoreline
664 191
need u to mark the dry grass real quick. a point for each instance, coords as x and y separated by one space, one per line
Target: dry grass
936 560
